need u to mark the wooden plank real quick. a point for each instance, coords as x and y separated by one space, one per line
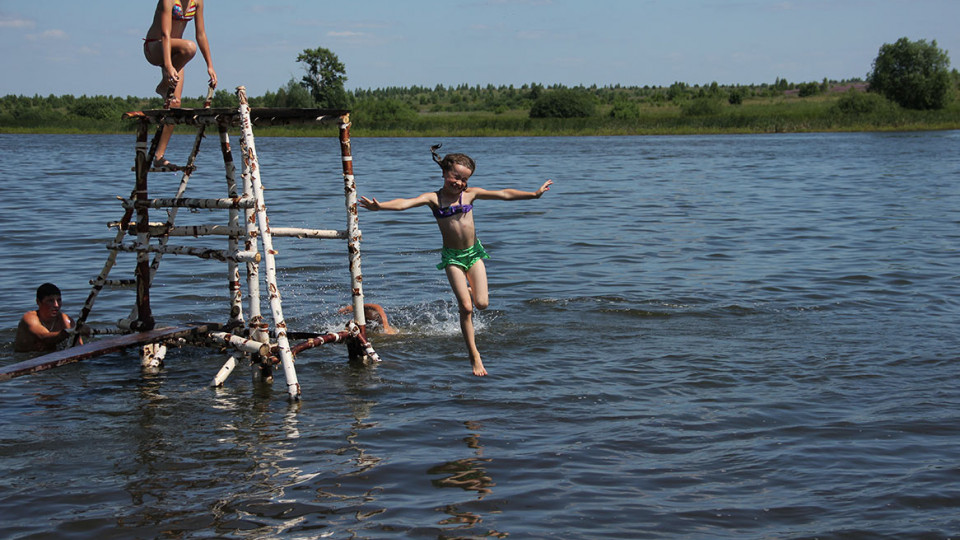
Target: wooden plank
231 115
99 348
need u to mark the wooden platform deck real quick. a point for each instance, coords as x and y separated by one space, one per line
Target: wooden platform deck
260 116
99 348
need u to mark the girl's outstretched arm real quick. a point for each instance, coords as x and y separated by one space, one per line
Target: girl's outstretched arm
512 194
397 204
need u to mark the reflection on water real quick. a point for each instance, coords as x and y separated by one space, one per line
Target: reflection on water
469 474
188 445
344 498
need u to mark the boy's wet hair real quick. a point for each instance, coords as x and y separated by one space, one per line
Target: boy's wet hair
46 290
448 161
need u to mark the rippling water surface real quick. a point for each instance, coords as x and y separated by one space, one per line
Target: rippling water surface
693 337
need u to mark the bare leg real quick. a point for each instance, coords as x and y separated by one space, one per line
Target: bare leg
458 282
477 276
181 52
168 129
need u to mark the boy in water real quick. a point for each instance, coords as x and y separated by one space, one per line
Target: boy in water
463 254
374 312
42 329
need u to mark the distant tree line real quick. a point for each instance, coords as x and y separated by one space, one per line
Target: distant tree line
911 74
399 103
553 101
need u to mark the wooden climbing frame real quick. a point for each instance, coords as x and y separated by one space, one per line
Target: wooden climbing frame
249 241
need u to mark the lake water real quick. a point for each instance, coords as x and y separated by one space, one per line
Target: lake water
688 337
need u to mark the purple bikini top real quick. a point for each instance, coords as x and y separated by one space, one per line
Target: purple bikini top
452 210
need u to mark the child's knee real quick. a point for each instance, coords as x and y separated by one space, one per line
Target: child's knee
187 50
480 298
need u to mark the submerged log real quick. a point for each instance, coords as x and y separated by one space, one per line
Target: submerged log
99 348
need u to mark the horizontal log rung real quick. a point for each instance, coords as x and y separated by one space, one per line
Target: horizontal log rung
171 168
203 253
162 229
116 282
242 344
308 233
183 202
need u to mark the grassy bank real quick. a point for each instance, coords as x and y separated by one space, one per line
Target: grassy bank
780 114
786 115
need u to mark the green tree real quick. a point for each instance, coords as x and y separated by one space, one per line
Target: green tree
222 98
808 89
325 78
625 110
913 74
705 106
563 104
294 95
535 91
677 91
96 107
735 97
383 111
854 102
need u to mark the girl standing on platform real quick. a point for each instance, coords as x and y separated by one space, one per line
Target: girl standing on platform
165 47
462 255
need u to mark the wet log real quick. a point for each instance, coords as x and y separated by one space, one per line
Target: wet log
99 348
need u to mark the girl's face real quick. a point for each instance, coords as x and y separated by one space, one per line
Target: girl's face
457 177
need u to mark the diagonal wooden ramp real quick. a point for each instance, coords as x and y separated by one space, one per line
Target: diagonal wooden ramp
101 347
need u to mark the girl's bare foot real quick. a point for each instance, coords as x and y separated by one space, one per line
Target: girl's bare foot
478 368
162 88
165 89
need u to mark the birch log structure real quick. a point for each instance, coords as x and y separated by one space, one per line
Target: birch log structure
263 341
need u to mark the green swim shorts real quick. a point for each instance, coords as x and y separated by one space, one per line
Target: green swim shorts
464 258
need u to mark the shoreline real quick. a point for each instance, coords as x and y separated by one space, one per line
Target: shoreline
439 132
615 115
601 129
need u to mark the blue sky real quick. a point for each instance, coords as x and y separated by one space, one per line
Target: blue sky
73 47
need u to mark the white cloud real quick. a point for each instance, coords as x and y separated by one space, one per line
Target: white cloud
47 35
8 21
345 34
